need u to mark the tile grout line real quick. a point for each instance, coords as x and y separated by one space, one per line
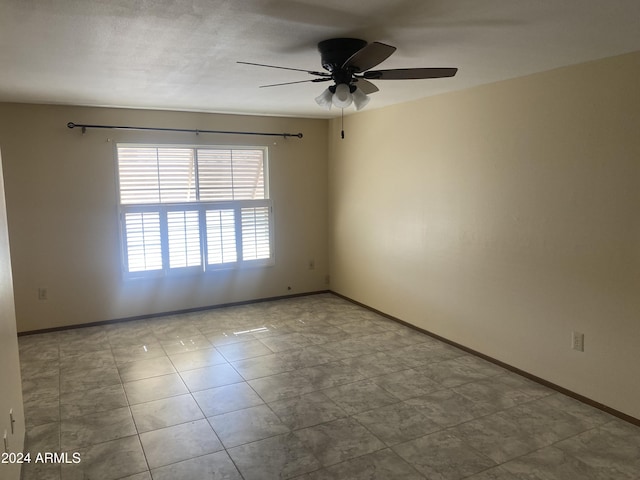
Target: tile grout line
126 396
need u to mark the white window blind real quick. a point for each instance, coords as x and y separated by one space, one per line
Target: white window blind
195 208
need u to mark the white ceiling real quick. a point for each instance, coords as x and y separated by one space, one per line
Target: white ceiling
181 54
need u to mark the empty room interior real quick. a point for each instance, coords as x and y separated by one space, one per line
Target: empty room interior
311 240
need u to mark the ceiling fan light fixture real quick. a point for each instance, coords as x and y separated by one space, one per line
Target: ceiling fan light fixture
360 99
324 99
342 97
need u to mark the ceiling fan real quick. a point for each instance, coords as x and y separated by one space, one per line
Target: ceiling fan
348 63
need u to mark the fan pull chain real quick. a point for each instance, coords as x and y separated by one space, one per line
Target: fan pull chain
342 124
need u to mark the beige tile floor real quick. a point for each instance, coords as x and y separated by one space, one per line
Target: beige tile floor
310 388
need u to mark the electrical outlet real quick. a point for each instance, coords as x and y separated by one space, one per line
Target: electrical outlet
577 341
43 294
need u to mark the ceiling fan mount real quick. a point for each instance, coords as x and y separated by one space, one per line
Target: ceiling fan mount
348 63
336 51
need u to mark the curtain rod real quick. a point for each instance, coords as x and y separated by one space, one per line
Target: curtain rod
184 130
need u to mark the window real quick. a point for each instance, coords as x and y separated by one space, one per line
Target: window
193 208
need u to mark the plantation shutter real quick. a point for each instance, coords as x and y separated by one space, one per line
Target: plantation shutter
143 241
255 233
157 175
193 208
221 237
183 231
231 174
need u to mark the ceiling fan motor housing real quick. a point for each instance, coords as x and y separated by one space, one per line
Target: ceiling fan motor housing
336 51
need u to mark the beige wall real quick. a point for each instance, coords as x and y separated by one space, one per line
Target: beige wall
62 212
503 217
10 382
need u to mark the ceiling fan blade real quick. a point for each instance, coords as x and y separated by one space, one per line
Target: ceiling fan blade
369 56
311 72
315 80
366 86
410 73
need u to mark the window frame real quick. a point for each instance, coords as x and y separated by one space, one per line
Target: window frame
202 207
